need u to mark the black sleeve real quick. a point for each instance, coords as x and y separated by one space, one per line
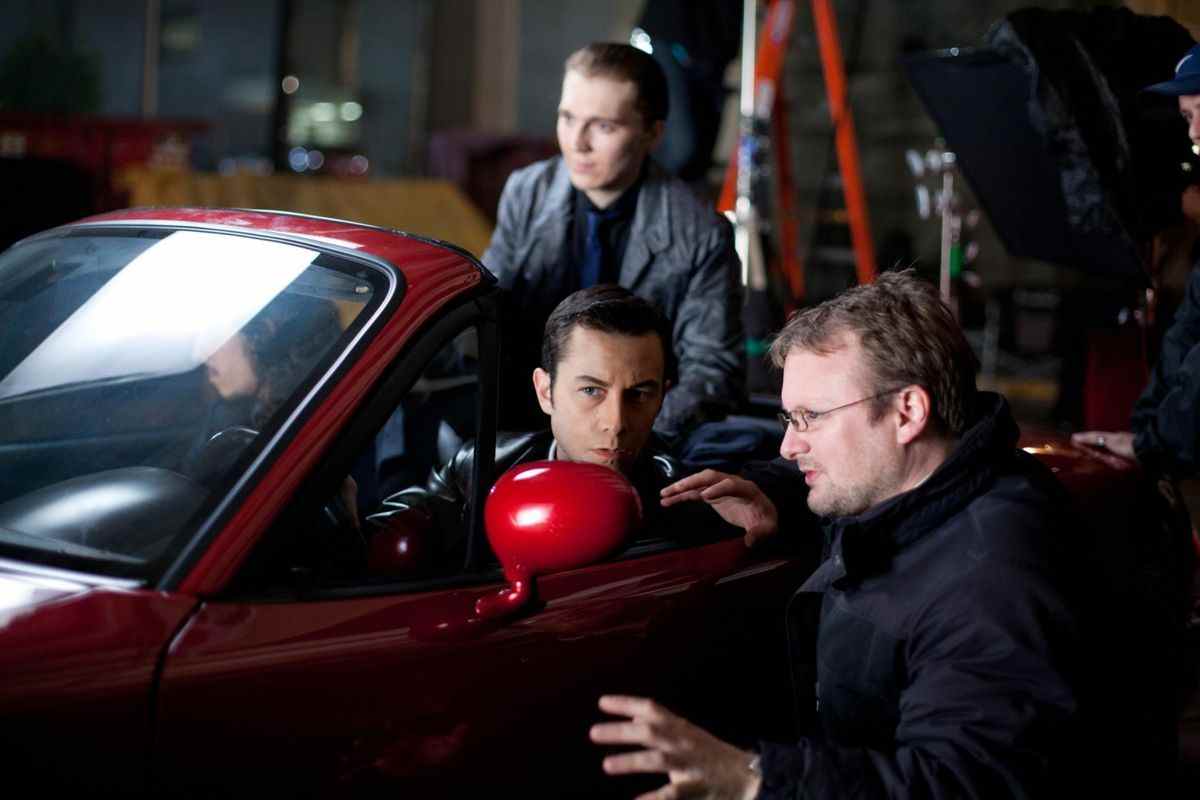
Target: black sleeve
442 499
708 339
983 712
1166 418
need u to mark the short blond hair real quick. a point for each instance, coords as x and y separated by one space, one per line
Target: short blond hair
908 337
624 62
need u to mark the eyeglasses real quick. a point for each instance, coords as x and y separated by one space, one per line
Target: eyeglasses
803 419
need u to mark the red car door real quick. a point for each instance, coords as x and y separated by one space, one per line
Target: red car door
363 691
370 681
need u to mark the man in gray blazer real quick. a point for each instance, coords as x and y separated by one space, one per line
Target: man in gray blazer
602 212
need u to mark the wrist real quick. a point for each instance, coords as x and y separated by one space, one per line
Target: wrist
754 777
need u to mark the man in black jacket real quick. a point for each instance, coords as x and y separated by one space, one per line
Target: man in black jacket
945 640
606 365
1166 425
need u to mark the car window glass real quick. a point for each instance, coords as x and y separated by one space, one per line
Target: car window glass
400 513
140 371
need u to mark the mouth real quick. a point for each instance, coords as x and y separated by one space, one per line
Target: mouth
609 453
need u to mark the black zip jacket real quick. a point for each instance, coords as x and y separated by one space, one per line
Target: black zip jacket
446 493
945 642
1166 418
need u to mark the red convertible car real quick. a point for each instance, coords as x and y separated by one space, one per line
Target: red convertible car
184 606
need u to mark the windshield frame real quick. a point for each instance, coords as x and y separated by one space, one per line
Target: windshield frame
390 288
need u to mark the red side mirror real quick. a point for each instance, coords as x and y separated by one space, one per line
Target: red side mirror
547 516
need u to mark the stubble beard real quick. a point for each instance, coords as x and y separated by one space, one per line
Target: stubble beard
836 500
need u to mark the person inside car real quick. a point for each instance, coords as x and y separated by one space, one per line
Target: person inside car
252 373
605 361
604 212
946 642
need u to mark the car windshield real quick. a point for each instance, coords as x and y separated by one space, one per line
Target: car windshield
141 370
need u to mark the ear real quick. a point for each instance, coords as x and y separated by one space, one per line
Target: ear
542 388
914 409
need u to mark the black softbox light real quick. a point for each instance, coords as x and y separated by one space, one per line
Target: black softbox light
1072 164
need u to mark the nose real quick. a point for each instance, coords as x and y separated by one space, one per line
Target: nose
794 444
613 414
1194 128
582 140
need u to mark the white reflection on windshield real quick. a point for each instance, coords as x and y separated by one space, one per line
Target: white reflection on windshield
167 311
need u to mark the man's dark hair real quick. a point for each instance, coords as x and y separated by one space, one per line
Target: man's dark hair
625 63
908 337
608 308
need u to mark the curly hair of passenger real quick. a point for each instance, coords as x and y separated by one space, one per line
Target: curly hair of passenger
284 342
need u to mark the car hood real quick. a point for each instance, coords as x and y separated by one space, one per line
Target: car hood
63 634
21 594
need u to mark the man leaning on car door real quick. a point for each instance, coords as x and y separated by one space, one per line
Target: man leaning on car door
950 653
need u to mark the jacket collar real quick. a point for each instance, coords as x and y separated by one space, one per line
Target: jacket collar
649 233
865 544
554 214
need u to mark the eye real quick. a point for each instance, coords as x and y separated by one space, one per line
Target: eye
605 127
812 416
590 391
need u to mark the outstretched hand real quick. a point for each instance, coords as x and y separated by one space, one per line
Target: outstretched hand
697 763
737 500
1118 443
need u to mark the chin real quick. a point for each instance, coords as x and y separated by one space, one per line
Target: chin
585 182
594 181
825 506
615 464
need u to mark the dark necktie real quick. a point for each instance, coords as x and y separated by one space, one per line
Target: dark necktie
594 268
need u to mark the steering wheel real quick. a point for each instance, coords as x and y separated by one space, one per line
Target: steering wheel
218 454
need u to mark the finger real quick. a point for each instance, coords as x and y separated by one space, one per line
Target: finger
622 733
697 481
730 487
691 495
1093 438
637 761
1114 461
632 706
1084 437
